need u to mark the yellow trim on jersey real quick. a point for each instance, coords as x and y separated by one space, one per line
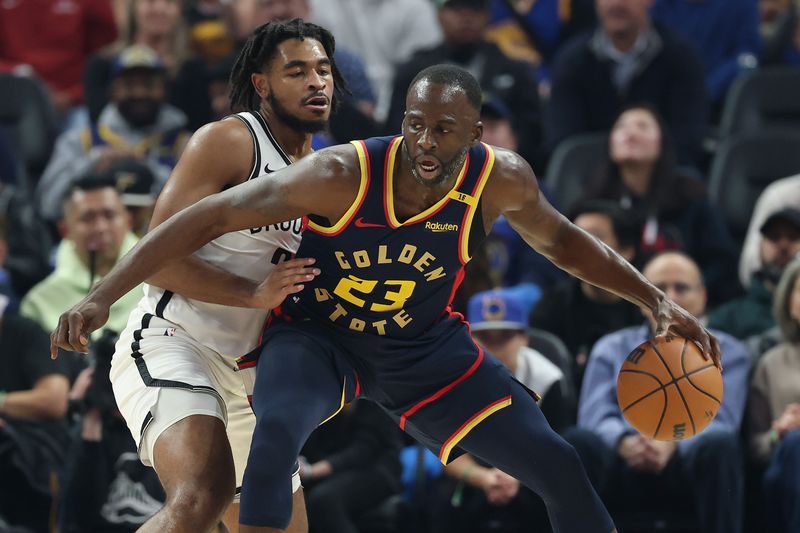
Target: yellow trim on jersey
362 191
390 189
482 179
463 197
453 441
341 403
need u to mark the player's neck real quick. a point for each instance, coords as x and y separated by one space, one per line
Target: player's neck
294 142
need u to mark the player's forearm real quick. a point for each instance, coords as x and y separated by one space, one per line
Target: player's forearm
587 258
176 238
194 278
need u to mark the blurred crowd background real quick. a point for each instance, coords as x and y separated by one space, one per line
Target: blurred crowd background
669 129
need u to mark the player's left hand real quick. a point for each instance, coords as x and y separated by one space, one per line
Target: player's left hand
672 318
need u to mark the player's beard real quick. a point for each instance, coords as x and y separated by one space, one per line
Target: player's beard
305 126
449 169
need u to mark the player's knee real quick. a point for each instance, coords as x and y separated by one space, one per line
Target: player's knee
202 504
276 441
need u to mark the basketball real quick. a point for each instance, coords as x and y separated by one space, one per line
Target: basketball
667 390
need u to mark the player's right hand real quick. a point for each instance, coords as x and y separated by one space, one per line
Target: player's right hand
75 326
285 279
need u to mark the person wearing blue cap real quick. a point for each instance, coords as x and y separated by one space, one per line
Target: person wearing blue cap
137 123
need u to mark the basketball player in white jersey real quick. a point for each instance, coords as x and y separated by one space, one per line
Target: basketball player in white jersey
174 372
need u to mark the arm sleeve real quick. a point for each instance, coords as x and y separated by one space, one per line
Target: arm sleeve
598 410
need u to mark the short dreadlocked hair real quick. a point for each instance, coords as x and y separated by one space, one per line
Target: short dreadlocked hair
262 46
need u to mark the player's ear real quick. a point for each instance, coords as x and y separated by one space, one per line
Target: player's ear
477 133
260 84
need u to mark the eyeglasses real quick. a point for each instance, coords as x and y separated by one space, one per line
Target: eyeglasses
679 287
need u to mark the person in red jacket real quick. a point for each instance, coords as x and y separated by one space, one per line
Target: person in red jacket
51 40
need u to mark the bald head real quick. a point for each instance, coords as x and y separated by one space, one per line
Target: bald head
679 277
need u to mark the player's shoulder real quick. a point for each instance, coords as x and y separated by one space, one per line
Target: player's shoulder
511 176
230 129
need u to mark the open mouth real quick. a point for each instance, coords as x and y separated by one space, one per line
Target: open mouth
428 167
317 103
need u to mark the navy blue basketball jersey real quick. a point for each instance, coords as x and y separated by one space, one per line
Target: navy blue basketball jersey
387 277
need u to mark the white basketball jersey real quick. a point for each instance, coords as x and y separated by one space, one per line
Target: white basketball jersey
252 254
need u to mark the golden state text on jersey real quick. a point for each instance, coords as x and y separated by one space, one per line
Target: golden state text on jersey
382 276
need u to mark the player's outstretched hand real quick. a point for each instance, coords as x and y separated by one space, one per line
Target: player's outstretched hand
75 326
285 279
672 318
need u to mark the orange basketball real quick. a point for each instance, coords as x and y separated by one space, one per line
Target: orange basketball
667 390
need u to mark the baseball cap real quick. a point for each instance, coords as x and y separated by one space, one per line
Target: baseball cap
134 182
788 214
496 309
136 57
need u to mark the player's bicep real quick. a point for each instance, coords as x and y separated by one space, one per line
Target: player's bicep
217 155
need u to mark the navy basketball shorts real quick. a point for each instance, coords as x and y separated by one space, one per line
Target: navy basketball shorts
441 388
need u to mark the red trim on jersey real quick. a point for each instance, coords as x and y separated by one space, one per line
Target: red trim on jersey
459 278
444 390
358 387
386 158
463 226
347 222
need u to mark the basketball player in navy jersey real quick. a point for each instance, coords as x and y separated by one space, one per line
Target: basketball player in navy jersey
174 371
391 223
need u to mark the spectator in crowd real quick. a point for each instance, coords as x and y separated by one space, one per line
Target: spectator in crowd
33 433
511 260
474 497
750 314
106 488
96 234
780 31
628 59
137 123
778 195
671 210
579 313
774 411
156 24
134 183
533 31
349 466
51 40
28 241
463 24
708 24
384 32
635 472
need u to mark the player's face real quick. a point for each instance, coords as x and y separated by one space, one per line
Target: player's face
680 280
439 128
635 138
298 85
96 220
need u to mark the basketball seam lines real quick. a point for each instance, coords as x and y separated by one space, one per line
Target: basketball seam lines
695 386
663 386
680 392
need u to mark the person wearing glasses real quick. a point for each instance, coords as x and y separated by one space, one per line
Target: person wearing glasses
665 476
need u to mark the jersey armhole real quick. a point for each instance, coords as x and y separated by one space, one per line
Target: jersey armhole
256 148
341 224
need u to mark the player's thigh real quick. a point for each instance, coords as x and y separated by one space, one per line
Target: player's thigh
160 378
